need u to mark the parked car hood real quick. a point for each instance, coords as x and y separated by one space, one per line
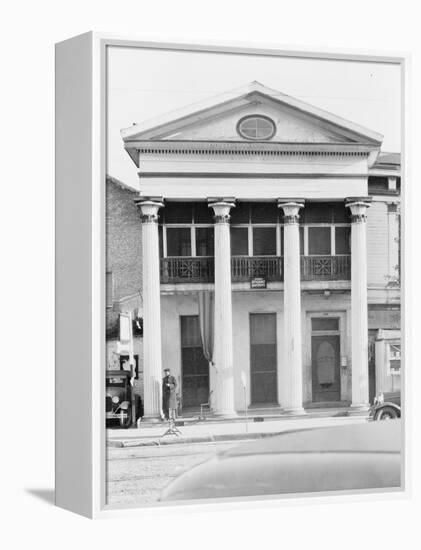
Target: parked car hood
359 456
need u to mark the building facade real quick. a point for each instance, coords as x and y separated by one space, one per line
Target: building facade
123 276
269 262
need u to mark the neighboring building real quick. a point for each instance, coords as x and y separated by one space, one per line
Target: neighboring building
272 228
384 269
123 273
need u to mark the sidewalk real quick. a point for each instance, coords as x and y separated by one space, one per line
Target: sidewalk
195 431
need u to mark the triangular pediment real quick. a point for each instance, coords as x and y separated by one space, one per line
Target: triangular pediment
219 119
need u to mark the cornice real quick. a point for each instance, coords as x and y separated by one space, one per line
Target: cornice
244 148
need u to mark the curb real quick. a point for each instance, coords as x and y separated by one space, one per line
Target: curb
255 418
151 441
310 415
194 439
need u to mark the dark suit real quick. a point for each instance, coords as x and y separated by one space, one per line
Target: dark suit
169 399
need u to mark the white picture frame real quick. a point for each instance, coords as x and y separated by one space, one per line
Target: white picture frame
80 257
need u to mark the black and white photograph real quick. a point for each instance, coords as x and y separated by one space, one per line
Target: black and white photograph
253 251
210 275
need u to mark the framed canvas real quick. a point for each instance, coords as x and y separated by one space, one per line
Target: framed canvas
230 274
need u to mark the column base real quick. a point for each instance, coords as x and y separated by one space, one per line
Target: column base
154 419
293 411
225 414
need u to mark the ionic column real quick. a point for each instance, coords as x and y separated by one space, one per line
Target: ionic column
223 390
152 361
359 308
291 375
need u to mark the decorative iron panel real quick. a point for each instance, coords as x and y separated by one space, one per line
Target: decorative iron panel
187 270
326 268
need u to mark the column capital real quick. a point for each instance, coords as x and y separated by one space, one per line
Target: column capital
148 207
221 207
358 207
291 209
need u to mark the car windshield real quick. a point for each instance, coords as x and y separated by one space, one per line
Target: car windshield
116 381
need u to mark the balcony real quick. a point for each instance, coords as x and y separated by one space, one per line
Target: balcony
244 268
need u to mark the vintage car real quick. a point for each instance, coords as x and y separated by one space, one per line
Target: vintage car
386 406
340 458
118 398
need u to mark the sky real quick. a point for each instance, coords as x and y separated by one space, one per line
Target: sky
145 83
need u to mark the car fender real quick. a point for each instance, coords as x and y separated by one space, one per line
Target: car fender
388 404
125 405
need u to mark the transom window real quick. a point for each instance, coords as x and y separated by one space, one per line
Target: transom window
256 127
324 323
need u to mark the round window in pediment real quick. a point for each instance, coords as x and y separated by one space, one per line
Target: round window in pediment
256 127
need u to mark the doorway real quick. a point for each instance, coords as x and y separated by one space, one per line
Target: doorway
194 366
325 359
263 358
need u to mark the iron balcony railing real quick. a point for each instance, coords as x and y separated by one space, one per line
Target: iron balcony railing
244 268
187 270
326 268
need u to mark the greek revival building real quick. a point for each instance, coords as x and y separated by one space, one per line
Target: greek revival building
270 254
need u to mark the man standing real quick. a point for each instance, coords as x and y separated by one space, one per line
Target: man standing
169 400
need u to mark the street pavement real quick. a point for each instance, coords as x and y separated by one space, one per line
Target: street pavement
140 466
137 475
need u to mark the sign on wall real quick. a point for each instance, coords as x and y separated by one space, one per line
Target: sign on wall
258 282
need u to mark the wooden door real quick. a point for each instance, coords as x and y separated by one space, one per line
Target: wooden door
194 366
263 361
326 368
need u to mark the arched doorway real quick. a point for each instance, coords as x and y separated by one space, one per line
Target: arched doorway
325 352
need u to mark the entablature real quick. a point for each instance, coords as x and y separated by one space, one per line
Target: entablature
140 149
250 187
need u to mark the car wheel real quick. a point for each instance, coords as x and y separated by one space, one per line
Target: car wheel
126 422
386 413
